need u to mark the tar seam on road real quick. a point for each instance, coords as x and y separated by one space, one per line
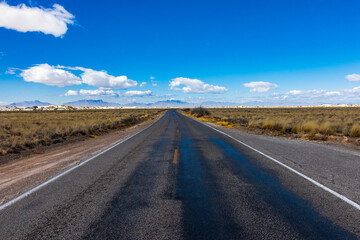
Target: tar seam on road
27 193
336 194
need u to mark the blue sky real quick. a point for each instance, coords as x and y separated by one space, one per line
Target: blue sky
247 52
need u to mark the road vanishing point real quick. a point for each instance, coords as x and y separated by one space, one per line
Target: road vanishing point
183 179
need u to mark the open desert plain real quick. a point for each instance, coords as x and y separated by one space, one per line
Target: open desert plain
179 120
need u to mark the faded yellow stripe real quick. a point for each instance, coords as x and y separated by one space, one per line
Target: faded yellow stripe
176 156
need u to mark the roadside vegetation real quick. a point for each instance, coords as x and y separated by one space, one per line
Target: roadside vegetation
21 131
313 123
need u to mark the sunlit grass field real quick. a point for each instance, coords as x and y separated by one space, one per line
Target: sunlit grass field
310 121
26 130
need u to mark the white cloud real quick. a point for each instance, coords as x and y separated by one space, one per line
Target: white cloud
355 90
34 19
260 87
143 84
194 86
62 76
12 71
295 92
92 93
353 77
138 93
50 75
303 98
103 80
332 93
98 92
154 83
315 96
298 94
71 93
313 93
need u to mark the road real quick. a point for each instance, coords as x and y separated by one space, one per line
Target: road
180 179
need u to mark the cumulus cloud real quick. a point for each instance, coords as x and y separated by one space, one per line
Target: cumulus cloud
152 78
260 87
98 92
50 75
34 19
103 80
194 86
143 84
353 77
71 93
62 76
138 93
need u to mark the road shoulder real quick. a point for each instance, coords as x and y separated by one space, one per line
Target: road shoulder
333 166
18 176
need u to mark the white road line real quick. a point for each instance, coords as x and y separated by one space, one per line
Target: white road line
27 193
336 194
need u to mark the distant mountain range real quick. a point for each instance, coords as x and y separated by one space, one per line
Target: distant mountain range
171 103
218 104
92 103
101 103
29 104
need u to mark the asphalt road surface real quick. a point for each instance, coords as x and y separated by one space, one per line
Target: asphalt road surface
179 179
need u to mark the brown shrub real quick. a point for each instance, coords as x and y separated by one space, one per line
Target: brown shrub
310 127
327 128
355 130
272 125
200 112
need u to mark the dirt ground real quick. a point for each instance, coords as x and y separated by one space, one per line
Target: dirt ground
31 169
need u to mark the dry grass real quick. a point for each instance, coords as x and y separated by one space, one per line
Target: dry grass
355 130
26 130
319 122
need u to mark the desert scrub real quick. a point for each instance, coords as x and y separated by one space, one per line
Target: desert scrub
26 130
299 121
200 112
310 127
355 130
272 125
328 128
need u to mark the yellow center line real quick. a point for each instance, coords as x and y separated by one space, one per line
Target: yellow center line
176 156
177 130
